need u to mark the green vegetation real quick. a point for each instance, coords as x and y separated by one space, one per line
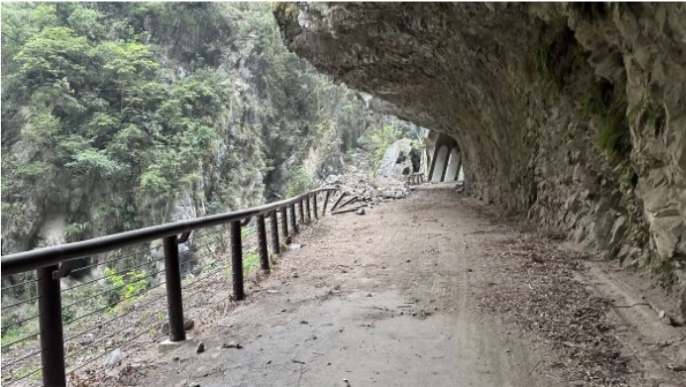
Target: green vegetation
629 177
126 285
111 111
665 272
117 116
377 139
98 112
300 182
649 115
607 101
251 261
555 57
14 329
245 232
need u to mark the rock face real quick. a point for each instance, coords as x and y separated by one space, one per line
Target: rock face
396 162
572 114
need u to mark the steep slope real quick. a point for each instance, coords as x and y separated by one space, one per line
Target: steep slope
122 115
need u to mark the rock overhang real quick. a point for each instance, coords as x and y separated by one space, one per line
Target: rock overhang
517 86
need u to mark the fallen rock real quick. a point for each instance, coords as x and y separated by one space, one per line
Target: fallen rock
114 357
232 344
360 211
676 367
367 189
201 348
168 345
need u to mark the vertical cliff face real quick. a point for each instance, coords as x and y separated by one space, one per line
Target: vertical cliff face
572 114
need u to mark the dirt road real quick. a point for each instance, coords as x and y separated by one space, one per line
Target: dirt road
428 291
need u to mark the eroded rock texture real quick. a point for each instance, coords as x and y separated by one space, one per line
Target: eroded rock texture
574 114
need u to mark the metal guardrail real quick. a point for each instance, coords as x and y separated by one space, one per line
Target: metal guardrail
47 262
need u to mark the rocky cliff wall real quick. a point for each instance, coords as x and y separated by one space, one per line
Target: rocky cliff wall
572 114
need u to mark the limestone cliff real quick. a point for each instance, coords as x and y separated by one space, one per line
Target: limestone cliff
573 114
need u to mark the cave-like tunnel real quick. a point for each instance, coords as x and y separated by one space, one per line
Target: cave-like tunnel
572 114
443 155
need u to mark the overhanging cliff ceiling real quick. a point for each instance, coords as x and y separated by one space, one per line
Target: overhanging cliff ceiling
574 114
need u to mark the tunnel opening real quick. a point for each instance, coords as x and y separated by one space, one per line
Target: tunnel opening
453 166
440 161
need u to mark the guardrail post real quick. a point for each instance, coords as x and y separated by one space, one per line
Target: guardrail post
314 206
172 273
309 214
273 223
326 202
50 320
302 211
237 260
284 225
335 205
262 240
294 223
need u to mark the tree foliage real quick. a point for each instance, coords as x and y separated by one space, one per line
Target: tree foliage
111 110
377 139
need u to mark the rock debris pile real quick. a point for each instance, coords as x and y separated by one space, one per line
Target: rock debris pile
368 189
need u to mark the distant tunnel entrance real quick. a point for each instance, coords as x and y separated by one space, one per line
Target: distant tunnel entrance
440 161
454 165
447 161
